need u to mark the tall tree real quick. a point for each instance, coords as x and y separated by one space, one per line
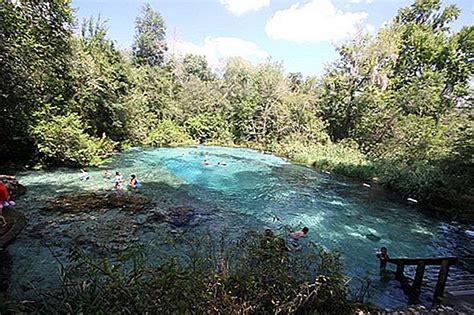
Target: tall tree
34 50
433 67
100 79
150 45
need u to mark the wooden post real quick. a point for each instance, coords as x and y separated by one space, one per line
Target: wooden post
420 270
400 269
442 277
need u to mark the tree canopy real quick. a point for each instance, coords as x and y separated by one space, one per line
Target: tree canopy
395 107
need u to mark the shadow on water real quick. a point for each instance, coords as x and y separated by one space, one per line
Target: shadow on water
105 232
5 270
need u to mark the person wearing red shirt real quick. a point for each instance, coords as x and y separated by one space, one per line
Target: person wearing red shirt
4 201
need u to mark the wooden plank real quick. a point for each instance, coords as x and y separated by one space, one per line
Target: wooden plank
461 283
457 287
442 277
462 293
399 273
437 261
420 270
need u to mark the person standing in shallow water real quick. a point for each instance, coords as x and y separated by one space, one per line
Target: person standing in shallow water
383 257
118 181
134 184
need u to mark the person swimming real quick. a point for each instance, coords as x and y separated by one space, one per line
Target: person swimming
299 234
83 176
206 163
296 236
107 174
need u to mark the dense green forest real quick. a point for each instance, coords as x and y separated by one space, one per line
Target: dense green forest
395 108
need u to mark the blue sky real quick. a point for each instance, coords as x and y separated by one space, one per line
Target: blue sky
301 34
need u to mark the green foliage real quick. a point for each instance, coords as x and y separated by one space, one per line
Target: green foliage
253 275
197 65
167 133
150 44
343 158
395 106
33 67
426 158
62 139
100 78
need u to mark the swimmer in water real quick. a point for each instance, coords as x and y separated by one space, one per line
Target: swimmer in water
107 174
299 234
296 236
205 163
84 175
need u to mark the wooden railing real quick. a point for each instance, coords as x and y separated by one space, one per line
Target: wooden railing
421 263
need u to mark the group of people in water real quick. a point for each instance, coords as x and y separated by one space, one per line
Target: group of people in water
133 182
207 163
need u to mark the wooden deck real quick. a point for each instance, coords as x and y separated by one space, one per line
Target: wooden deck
458 291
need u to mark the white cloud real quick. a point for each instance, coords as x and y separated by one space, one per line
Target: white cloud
315 21
239 7
361 1
218 49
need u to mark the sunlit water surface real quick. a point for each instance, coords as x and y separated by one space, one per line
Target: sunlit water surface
253 191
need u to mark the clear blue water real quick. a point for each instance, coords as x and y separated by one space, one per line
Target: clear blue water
253 191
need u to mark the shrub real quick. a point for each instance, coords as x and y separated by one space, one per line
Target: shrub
344 157
207 128
255 274
62 140
429 160
168 133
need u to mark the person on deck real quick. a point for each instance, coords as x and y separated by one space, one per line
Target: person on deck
4 201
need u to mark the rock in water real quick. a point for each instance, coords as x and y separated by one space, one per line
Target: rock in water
15 224
373 237
180 216
85 202
176 216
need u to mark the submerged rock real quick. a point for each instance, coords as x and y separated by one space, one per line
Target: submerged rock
373 237
180 216
85 202
176 216
15 223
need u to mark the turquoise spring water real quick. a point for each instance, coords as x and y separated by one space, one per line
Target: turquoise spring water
253 191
